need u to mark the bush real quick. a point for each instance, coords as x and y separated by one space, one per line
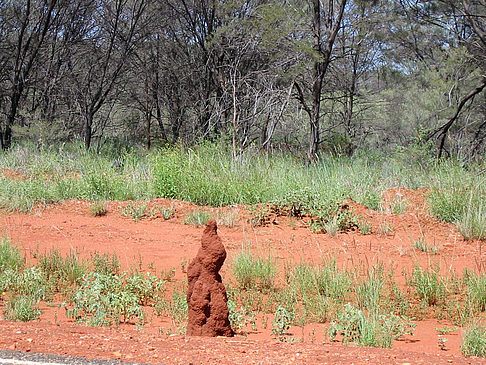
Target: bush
474 342
103 300
21 308
10 257
254 273
369 329
428 286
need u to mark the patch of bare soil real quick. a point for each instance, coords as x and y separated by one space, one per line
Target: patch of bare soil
167 244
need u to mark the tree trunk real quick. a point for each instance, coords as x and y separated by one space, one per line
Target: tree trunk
314 139
88 131
316 85
7 137
148 135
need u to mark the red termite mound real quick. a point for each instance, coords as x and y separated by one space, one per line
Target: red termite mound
206 296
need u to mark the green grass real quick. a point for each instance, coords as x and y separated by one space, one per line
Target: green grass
429 286
252 272
135 211
97 209
476 291
208 175
198 218
21 309
10 257
474 341
369 291
365 329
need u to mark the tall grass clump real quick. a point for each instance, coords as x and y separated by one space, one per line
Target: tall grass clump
429 286
68 172
10 257
458 196
252 272
208 175
474 341
369 292
476 291
369 329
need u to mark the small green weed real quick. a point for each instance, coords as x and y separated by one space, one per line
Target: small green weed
146 286
135 211
103 300
364 226
240 317
282 321
420 244
167 213
60 272
227 218
97 209
176 308
332 226
445 330
198 218
21 308
428 286
385 228
476 291
106 264
10 257
259 215
369 291
474 342
332 282
254 272
399 205
369 330
472 223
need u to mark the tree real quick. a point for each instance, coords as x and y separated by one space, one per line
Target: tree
111 34
25 25
326 22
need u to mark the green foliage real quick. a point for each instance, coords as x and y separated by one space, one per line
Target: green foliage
281 321
106 264
333 283
476 291
369 292
420 244
364 226
240 316
198 218
428 286
167 213
474 342
60 272
374 330
259 215
167 169
10 257
97 209
254 272
472 223
103 300
146 287
22 308
136 211
176 308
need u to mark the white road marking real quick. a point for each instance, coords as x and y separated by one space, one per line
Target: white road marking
24 362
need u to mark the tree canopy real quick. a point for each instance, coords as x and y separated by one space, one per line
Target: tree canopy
302 75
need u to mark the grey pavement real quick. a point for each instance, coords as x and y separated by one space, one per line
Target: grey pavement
23 358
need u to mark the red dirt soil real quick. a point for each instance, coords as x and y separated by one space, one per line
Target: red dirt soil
167 244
